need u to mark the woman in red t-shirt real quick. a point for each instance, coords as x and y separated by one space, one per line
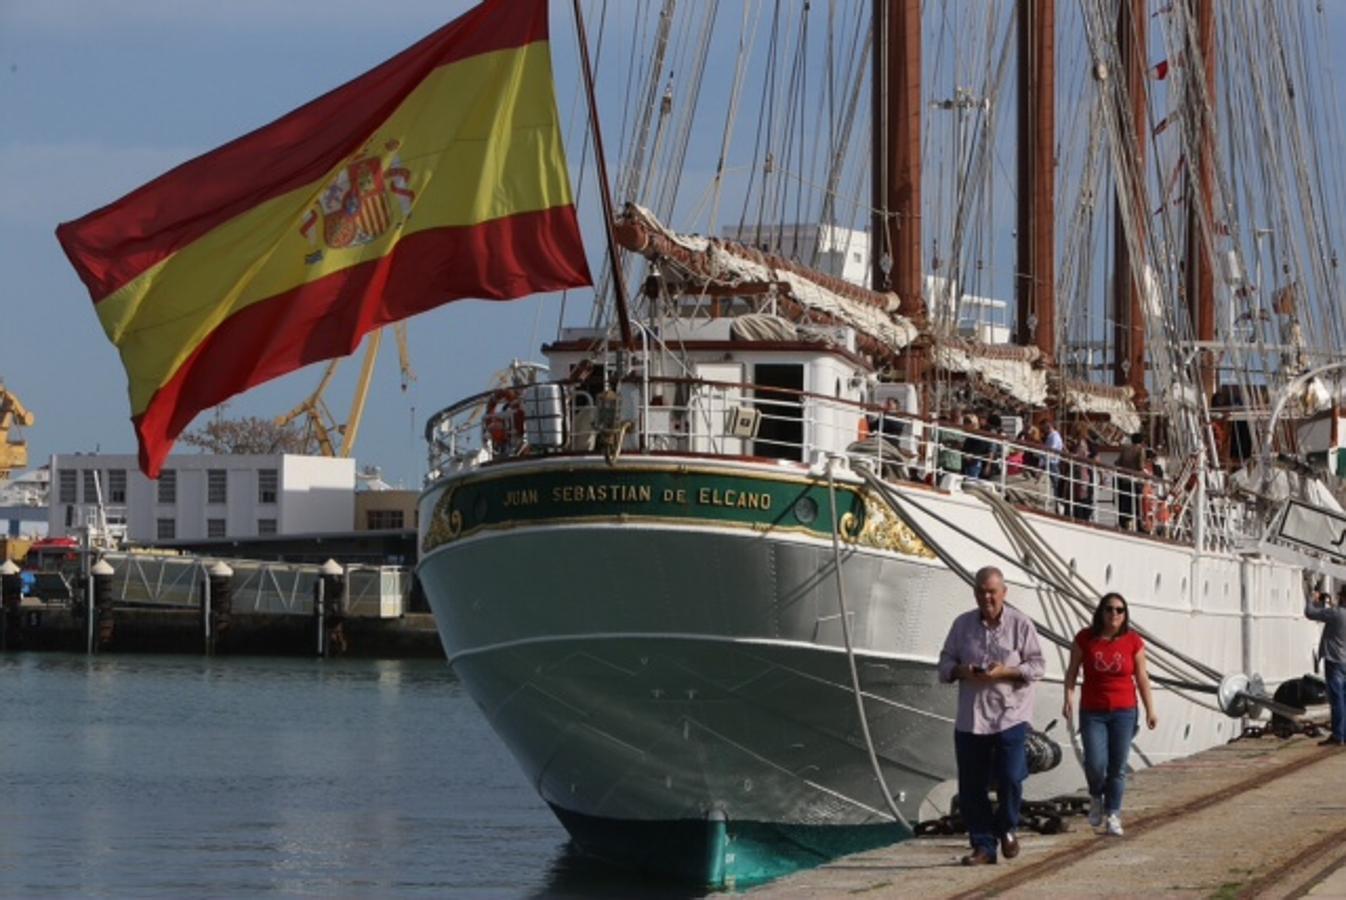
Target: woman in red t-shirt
1113 659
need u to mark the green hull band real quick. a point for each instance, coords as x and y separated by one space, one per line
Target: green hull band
672 495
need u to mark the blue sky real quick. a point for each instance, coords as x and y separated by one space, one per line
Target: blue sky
99 97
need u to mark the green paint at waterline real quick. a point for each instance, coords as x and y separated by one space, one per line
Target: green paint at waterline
735 500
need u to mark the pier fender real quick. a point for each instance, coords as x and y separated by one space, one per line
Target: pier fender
1044 754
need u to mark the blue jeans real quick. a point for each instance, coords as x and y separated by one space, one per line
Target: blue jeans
1335 674
1107 740
983 759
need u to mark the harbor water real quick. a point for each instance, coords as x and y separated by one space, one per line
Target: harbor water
187 776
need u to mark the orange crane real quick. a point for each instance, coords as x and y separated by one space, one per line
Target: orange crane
321 431
13 448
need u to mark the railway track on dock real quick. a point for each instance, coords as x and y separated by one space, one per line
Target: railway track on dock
1310 863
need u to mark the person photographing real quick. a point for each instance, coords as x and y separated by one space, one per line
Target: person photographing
1332 651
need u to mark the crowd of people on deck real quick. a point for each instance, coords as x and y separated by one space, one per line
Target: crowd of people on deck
1039 466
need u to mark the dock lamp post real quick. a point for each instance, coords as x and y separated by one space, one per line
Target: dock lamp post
11 593
216 603
100 605
328 594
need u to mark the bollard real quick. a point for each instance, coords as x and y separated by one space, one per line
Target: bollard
100 607
11 593
329 608
218 606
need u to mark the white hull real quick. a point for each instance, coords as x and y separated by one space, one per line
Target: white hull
662 670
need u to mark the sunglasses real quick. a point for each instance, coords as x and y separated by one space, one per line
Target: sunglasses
1119 610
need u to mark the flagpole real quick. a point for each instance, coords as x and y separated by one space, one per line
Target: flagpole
618 281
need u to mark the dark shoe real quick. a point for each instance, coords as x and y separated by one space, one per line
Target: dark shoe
978 857
1009 846
1330 742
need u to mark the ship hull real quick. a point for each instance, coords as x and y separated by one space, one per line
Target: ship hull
673 677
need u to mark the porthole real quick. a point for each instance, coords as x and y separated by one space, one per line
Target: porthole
1107 574
1187 731
806 510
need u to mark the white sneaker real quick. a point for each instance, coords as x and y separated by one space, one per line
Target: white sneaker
1095 812
1115 825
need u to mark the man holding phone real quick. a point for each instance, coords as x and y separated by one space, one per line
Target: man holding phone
994 655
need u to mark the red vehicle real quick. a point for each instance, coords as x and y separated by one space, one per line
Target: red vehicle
53 554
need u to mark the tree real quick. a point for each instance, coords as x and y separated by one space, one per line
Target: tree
246 435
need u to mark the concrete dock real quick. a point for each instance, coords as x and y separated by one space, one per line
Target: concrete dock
1259 817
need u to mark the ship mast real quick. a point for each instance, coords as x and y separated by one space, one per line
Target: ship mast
1128 316
1200 279
1036 281
896 250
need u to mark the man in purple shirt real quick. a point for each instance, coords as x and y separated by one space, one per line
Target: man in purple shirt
994 655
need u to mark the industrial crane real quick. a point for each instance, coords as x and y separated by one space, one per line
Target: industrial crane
13 448
321 430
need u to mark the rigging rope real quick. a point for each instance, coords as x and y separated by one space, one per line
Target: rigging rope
850 654
1053 579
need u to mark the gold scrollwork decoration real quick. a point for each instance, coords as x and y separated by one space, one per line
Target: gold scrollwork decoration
885 531
848 527
446 523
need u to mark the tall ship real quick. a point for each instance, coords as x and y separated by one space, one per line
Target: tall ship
697 564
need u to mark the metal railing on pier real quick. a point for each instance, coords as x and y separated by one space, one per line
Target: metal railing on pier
170 581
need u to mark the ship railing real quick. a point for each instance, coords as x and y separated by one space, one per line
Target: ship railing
1061 483
742 420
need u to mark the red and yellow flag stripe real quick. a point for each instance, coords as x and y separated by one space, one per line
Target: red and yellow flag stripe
438 175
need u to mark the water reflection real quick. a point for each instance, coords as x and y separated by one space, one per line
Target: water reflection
572 874
166 776
162 776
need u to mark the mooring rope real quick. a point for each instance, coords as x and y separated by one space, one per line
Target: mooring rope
895 502
850 655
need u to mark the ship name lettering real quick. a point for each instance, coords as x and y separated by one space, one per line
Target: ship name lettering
732 498
602 493
675 496
526 497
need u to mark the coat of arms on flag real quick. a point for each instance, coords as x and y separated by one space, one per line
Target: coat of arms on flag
355 208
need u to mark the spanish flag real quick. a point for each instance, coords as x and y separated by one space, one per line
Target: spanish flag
438 175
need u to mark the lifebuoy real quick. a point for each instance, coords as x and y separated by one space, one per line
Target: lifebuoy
1149 508
1163 514
502 423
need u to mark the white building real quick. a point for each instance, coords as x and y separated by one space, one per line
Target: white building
202 496
840 252
23 504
